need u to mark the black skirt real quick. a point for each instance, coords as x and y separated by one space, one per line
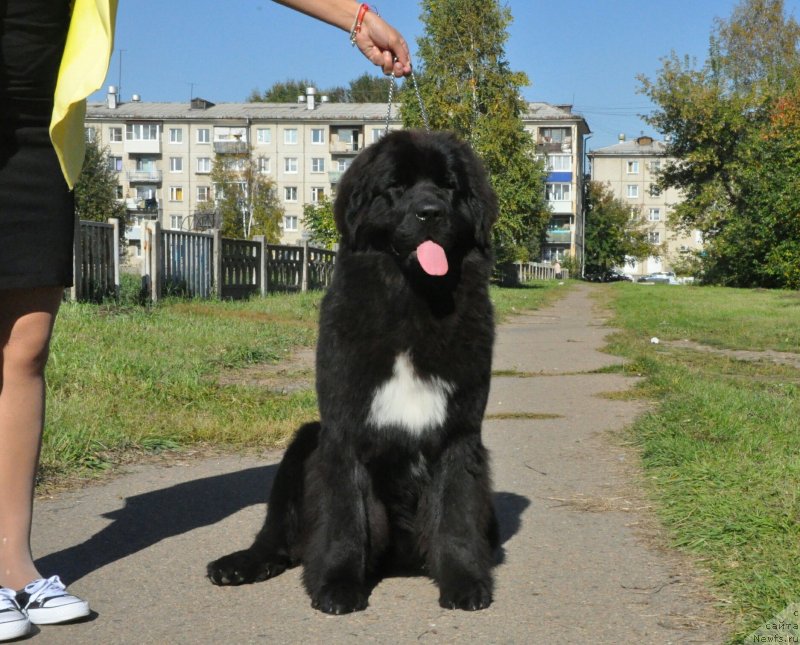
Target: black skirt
37 210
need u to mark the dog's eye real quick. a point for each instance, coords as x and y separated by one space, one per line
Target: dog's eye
395 192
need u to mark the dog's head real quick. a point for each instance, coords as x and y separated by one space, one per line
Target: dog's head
422 197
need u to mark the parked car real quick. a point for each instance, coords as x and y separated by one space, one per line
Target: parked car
608 276
660 277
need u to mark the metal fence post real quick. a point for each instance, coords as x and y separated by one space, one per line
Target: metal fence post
115 252
304 283
262 264
156 252
216 271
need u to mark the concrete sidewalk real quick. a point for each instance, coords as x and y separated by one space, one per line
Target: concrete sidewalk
579 563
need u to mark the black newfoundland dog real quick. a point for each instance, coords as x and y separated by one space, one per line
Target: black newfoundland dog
395 477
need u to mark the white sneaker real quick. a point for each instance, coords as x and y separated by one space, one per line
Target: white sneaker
13 623
46 602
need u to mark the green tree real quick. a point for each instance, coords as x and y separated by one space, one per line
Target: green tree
96 188
472 91
612 234
246 199
282 91
716 117
318 220
368 89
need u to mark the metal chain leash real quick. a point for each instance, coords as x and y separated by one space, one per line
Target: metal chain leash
392 83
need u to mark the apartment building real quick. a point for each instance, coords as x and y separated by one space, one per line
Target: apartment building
164 152
560 138
630 169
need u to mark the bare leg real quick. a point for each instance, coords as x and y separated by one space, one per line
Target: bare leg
26 324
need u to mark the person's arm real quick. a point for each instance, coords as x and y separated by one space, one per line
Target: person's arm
378 40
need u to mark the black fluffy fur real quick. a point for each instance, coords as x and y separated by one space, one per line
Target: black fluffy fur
351 501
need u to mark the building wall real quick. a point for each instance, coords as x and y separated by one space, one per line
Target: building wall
632 177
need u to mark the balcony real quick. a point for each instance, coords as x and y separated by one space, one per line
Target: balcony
142 146
334 176
344 147
559 236
561 207
231 147
144 176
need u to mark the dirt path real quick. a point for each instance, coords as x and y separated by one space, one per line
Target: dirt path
579 563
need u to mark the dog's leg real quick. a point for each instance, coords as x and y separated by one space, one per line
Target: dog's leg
337 554
275 547
462 526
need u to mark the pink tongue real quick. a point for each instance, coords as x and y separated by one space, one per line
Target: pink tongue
432 258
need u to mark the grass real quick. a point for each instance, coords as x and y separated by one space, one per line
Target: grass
125 379
721 446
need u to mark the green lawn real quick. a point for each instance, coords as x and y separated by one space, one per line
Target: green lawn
123 380
721 447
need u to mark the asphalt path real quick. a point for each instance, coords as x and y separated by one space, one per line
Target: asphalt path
582 559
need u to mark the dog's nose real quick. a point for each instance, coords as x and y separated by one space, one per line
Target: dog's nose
428 211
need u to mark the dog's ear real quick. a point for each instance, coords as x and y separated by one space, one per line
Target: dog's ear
355 194
482 201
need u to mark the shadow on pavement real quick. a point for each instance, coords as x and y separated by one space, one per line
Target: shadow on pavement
148 518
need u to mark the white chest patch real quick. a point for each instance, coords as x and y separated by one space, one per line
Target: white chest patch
408 401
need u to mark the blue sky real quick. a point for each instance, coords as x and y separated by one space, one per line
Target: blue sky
583 52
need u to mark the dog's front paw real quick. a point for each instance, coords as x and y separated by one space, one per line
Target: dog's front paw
340 598
243 567
469 597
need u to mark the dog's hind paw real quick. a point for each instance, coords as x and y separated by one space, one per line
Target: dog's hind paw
340 598
243 567
469 597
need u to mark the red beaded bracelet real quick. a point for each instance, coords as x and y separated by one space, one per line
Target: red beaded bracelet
362 10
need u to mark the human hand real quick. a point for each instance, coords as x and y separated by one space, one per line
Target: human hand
383 45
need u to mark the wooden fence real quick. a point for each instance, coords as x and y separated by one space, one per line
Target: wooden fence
202 265
538 271
96 261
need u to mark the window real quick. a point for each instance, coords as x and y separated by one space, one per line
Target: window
264 135
655 166
115 134
317 135
654 237
290 165
633 191
558 192
562 163
317 194
203 135
654 215
317 164
203 193
176 222
90 134
377 133
176 164
264 166
115 163
633 167
290 193
229 133
146 164
343 164
555 135
142 132
119 192
176 135
203 164
290 136
176 193
290 222
654 190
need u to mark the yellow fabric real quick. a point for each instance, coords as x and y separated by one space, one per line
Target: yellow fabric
87 53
